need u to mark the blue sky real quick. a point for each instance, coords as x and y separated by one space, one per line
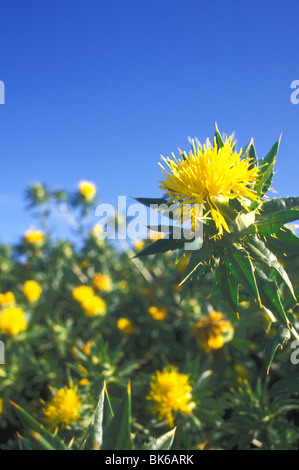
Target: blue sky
99 89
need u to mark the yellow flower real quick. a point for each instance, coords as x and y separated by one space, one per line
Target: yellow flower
102 282
170 394
210 177
87 189
32 290
213 331
93 306
64 408
34 237
82 292
12 321
139 245
158 313
7 298
125 326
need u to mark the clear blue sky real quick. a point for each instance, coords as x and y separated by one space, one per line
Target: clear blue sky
98 89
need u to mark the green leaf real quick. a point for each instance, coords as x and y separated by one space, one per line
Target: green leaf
270 295
161 246
265 174
288 385
117 435
229 286
219 139
102 414
163 442
274 205
281 337
238 262
159 204
198 259
249 153
44 438
272 223
259 251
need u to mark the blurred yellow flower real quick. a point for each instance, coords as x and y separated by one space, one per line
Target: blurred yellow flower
64 408
12 321
213 331
84 382
158 313
102 282
7 298
34 236
170 394
32 290
125 326
93 306
87 189
82 292
139 245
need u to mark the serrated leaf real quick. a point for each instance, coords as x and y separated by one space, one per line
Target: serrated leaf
265 174
117 435
259 251
272 223
163 442
270 296
238 262
102 414
159 204
198 258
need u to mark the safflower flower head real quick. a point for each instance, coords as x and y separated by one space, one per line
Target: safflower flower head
87 190
102 282
209 177
7 298
213 331
93 306
157 313
32 290
125 326
82 292
12 321
170 393
64 408
34 237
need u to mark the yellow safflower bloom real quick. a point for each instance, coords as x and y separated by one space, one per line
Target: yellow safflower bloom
32 290
157 313
87 189
64 408
102 282
210 176
170 394
125 326
82 292
139 245
12 321
93 306
7 298
213 331
34 236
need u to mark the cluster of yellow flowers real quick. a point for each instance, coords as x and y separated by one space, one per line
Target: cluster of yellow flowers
91 303
12 317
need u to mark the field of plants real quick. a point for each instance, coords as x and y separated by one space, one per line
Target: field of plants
106 347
